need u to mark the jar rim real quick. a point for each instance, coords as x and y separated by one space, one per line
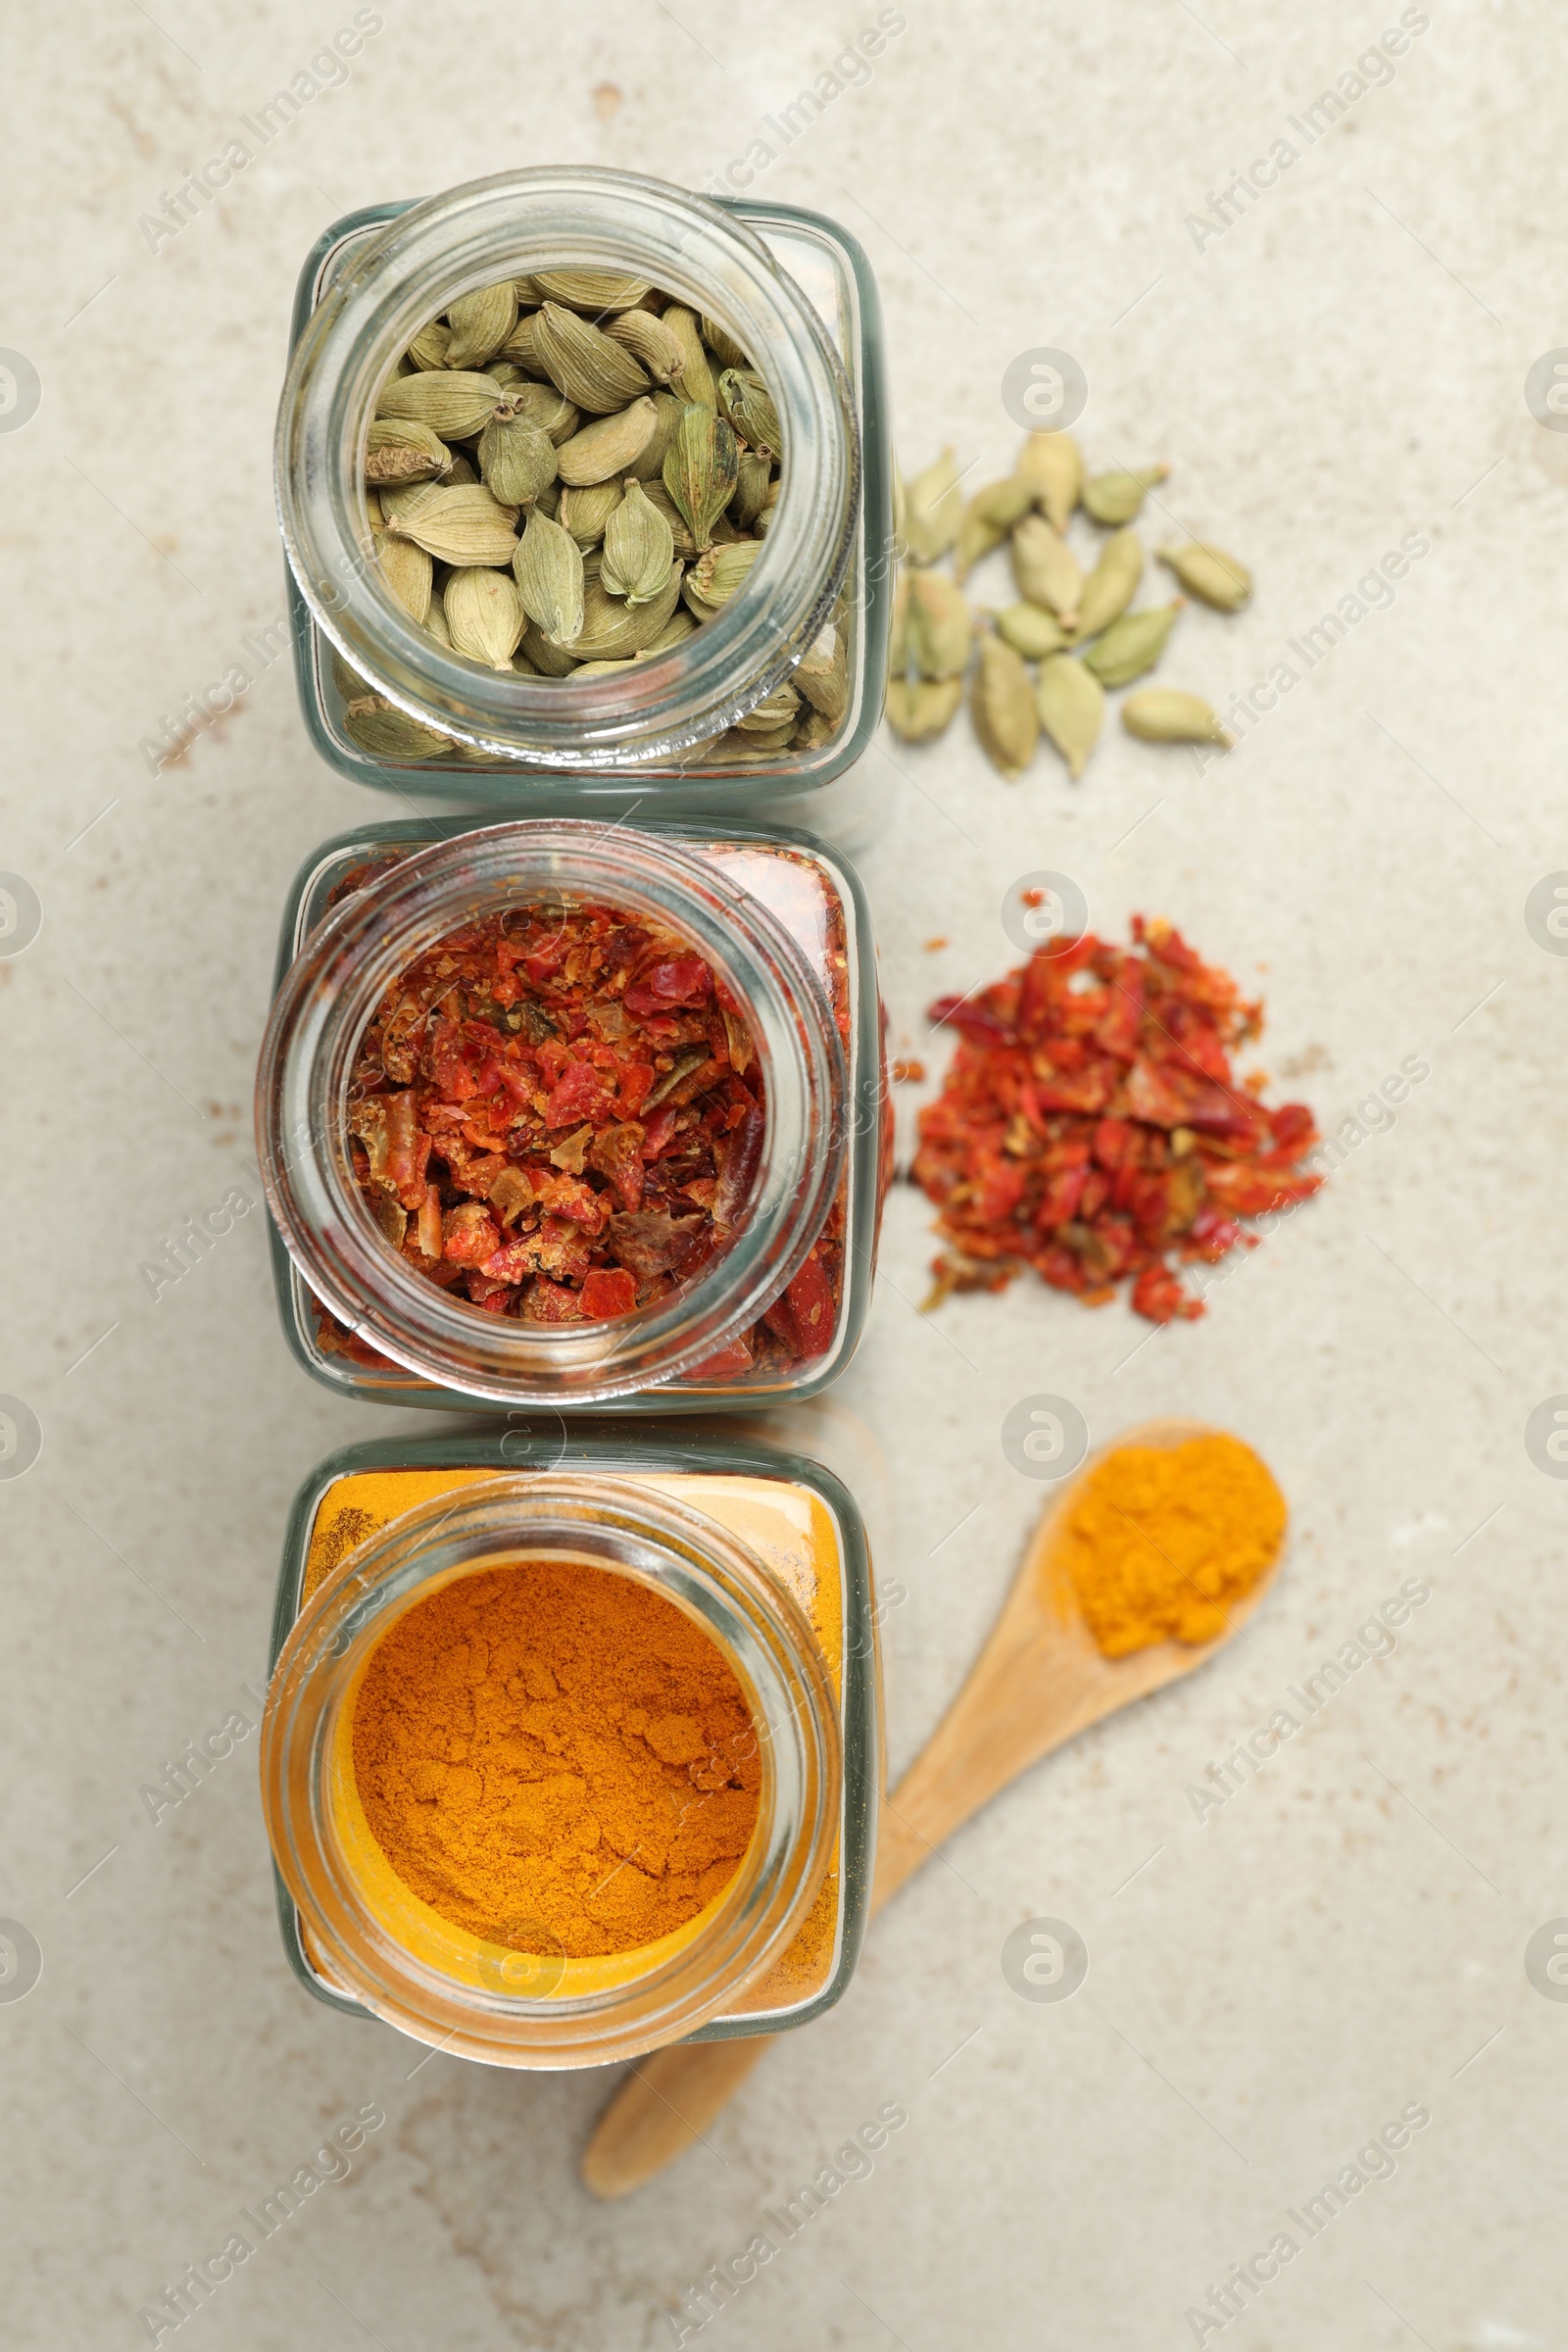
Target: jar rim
309 1050
507 225
611 1525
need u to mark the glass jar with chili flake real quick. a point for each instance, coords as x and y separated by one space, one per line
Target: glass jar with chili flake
558 1114
386 701
651 1875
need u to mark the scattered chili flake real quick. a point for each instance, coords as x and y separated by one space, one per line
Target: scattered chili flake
908 1073
1090 1125
932 944
558 1114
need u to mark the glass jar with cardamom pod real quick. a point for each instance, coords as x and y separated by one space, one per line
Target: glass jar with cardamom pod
555 1112
584 483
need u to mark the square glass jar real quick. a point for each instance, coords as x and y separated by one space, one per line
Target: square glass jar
608 741
374 1518
337 1334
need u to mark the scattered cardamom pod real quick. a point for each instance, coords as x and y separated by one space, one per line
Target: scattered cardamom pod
1002 707
651 344
484 615
455 406
592 290
1072 708
609 449
399 451
696 378
932 511
988 518
922 708
702 470
938 626
585 513
1053 465
1161 715
548 569
582 362
1046 570
461 525
1111 585
639 546
1221 580
516 459
901 658
480 323
1133 642
1116 497
1031 630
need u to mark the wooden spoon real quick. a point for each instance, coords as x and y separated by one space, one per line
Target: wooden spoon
1039 1680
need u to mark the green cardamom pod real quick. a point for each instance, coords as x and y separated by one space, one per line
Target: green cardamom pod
651 342
1001 705
1160 715
1116 497
1031 630
521 347
429 346
639 547
480 323
1052 465
516 460
1133 642
1046 570
1221 580
435 620
398 451
650 466
613 630
464 525
721 343
455 406
701 469
380 728
779 708
752 484
548 569
484 615
747 405
676 629
607 449
1072 709
585 511
541 405
695 380
1111 585
408 572
581 362
592 290
721 570
543 657
822 674
940 628
920 710
932 511
988 518
680 529
901 653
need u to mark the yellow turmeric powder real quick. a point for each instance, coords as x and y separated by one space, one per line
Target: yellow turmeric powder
553 1745
1160 1540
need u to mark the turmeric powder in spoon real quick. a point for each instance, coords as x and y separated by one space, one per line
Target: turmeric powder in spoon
1160 1541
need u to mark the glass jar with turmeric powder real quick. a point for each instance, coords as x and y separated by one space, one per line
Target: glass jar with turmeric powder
571 1745
564 1113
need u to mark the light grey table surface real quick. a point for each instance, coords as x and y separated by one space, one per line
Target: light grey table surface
1344 366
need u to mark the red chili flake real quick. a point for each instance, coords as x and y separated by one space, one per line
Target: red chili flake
1090 1125
907 1073
559 1115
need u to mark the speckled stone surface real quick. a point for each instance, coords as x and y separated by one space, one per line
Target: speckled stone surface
1338 371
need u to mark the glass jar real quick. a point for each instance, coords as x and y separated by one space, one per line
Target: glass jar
763 1549
796 292
781 921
